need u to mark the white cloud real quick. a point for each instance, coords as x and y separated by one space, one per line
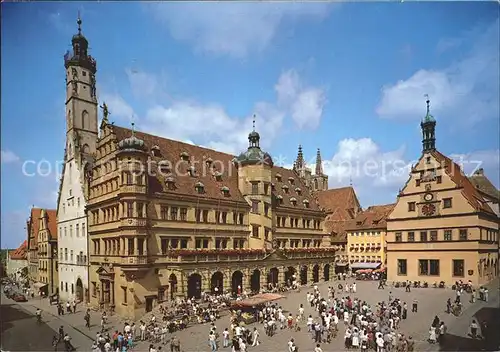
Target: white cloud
305 104
234 29
466 91
8 156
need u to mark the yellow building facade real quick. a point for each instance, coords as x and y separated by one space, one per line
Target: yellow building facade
441 228
169 219
32 225
47 253
366 235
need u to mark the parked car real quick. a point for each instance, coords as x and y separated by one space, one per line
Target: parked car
18 297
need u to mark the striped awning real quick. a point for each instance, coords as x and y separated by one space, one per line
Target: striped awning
365 265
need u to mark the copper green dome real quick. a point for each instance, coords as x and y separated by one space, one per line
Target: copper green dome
132 143
254 155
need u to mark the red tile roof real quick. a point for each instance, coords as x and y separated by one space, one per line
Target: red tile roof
469 191
341 205
484 185
170 151
34 225
52 223
19 253
373 217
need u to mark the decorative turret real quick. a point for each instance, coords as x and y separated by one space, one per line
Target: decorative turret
132 143
428 126
80 56
299 163
254 155
319 164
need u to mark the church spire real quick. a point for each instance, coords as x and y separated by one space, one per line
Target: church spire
428 126
319 163
79 55
299 163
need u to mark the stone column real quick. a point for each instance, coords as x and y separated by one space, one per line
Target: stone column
227 280
145 245
205 281
247 274
112 289
263 278
281 274
136 246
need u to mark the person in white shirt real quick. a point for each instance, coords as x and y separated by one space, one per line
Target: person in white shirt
225 338
318 348
309 323
255 337
290 345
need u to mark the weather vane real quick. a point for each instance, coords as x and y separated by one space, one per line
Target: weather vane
253 122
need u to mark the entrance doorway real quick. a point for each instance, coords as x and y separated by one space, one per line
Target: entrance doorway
326 272
173 286
255 281
194 286
149 304
289 276
237 282
272 278
79 290
217 281
316 273
303 275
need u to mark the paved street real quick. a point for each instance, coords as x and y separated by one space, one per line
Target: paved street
21 332
431 302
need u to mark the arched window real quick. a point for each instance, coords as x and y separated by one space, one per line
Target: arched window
85 120
86 148
316 184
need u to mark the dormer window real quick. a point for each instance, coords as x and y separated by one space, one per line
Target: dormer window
298 190
285 188
209 161
192 171
291 180
280 199
164 167
200 187
306 203
170 182
225 191
359 223
278 177
155 151
218 175
293 200
185 156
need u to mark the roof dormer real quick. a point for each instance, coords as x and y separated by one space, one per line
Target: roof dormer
225 191
192 171
209 161
218 175
199 187
291 180
298 190
170 183
285 188
279 197
306 203
293 200
184 156
278 177
155 151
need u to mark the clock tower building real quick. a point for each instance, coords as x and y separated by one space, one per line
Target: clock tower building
441 228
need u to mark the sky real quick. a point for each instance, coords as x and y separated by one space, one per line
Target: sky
348 78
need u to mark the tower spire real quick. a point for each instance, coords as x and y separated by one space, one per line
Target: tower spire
79 23
299 163
428 126
319 163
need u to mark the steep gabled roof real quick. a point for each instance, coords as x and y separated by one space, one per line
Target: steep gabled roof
20 253
52 223
172 151
456 174
341 205
484 185
34 224
373 217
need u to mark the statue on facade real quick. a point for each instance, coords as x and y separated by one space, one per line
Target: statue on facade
105 112
74 73
75 88
275 244
92 85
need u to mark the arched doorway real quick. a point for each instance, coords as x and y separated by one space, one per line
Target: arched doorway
79 290
315 273
173 285
303 275
194 286
255 281
272 278
289 275
237 282
326 272
217 281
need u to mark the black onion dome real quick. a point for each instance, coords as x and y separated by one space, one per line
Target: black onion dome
132 143
254 156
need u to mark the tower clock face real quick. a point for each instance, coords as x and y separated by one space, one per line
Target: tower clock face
429 209
428 197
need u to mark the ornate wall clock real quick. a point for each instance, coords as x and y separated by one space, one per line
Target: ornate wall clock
428 197
429 209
